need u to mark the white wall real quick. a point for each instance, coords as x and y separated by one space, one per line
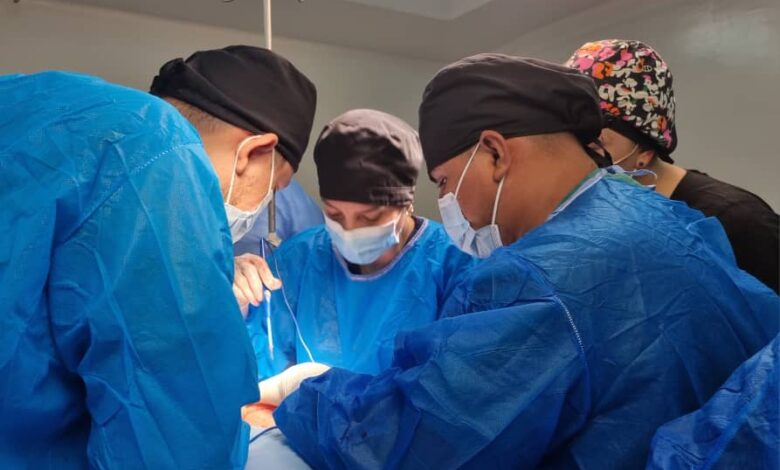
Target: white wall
725 58
129 49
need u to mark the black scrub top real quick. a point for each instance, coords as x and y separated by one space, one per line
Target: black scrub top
751 225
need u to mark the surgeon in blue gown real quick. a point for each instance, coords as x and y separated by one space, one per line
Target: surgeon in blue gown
103 354
602 310
373 269
121 344
738 428
296 211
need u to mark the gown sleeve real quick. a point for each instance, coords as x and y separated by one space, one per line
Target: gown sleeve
488 386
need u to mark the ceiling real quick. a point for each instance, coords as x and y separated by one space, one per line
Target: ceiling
435 9
440 30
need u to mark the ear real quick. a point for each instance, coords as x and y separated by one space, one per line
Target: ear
497 146
254 147
644 158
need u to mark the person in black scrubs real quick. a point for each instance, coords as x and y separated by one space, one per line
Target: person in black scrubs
635 87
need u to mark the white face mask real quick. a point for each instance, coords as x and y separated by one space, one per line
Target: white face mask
363 245
240 221
481 242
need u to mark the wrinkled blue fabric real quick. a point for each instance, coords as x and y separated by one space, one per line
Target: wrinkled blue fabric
644 316
350 320
295 212
112 352
268 450
737 428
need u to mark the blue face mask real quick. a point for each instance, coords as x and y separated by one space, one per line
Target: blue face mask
481 242
363 245
636 172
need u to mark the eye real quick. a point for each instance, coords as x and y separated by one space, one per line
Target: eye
370 219
440 184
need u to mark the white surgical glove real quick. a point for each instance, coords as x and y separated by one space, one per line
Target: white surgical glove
251 275
275 389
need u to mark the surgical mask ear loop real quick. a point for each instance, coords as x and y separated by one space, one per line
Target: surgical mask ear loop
465 169
636 147
500 185
402 221
235 165
498 198
639 171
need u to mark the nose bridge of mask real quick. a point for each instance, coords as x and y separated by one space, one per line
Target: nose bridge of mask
235 165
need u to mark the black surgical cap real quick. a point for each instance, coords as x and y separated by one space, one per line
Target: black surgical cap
248 87
370 157
513 96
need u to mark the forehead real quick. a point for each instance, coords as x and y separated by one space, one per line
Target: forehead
349 207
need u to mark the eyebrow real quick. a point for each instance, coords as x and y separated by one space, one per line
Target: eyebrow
372 211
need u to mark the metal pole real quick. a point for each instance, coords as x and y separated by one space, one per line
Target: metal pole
267 23
273 238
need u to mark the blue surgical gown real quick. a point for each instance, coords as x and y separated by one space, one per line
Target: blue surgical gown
737 428
349 320
566 349
295 212
121 344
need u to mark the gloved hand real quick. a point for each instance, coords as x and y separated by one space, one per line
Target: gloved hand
251 274
258 415
275 389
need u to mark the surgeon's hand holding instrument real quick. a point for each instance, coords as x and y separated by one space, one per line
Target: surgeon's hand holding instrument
252 277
